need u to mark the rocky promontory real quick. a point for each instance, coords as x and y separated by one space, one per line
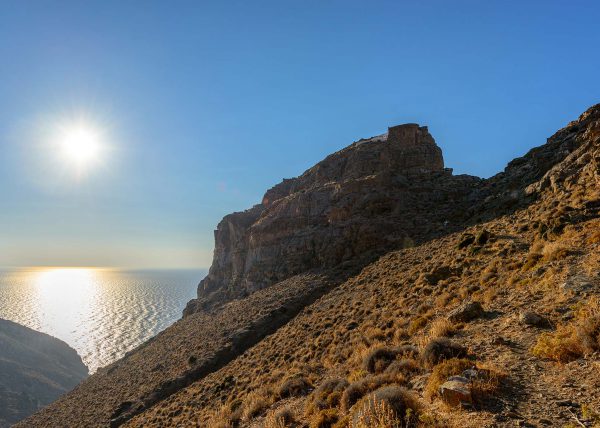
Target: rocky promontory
375 195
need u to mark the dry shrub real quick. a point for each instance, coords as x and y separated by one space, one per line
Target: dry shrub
377 359
441 327
356 390
255 404
294 386
574 340
387 407
440 349
405 366
417 324
279 419
594 238
326 418
327 395
554 251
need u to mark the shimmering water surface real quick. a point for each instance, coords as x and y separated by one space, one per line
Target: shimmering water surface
102 313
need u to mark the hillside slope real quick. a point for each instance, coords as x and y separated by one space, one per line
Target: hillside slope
327 344
35 369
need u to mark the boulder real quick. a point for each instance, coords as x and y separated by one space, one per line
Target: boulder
456 391
532 319
466 312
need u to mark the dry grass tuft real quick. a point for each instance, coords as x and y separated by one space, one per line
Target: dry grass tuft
553 251
579 338
279 419
255 404
325 418
441 327
387 407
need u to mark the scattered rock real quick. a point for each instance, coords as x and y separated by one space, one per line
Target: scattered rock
456 391
499 340
482 237
466 240
533 319
566 403
466 312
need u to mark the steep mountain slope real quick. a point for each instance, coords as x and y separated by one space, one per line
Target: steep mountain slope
35 369
318 337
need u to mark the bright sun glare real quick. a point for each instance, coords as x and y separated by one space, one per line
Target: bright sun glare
80 144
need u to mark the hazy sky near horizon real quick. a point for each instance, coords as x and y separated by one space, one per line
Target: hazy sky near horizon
205 105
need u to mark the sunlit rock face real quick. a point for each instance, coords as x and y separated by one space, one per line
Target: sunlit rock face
372 196
35 369
376 195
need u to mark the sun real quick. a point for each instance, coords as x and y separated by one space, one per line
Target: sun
80 143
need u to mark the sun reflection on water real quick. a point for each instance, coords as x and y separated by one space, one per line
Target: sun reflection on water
66 294
101 312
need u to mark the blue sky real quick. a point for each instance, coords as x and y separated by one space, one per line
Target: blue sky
205 105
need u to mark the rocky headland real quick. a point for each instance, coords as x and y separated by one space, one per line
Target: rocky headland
378 286
35 369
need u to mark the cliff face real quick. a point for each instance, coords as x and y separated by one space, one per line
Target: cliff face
35 369
376 194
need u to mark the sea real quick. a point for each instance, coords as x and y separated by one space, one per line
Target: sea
101 313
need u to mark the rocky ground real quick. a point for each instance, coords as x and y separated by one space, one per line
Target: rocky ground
491 319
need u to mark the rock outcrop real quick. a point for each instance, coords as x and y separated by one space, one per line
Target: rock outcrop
377 194
35 369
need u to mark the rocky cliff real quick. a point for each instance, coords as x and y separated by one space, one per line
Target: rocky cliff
373 196
35 369
486 311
